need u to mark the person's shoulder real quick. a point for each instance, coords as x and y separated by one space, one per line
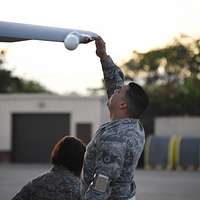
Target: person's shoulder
42 178
24 193
50 180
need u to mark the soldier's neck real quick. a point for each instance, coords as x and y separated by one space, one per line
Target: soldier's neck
115 116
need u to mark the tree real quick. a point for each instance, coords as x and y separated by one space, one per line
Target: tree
171 76
171 64
13 84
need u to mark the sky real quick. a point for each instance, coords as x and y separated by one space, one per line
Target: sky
125 25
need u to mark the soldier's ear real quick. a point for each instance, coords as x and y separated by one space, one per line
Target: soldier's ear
123 105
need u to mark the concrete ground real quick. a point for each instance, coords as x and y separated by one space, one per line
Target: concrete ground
151 185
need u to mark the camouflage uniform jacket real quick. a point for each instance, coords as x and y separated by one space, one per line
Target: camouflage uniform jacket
114 151
58 184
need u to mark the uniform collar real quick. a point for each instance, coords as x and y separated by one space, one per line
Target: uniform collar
119 121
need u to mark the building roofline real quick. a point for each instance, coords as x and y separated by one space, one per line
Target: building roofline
33 96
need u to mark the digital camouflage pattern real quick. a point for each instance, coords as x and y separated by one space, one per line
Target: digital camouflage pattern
114 151
58 184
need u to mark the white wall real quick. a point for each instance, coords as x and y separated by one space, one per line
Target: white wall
184 126
82 109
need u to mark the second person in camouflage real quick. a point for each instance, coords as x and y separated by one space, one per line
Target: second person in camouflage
62 181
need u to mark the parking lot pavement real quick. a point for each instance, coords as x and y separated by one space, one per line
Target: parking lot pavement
166 185
151 185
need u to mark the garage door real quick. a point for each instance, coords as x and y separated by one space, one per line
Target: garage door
34 135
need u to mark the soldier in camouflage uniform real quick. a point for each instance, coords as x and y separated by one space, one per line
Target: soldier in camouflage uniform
112 155
63 181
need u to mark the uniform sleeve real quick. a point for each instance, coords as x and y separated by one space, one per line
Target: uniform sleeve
109 162
113 76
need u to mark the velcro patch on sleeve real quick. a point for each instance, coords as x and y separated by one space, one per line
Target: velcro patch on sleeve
101 183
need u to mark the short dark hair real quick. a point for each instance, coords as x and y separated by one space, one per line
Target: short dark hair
69 152
137 100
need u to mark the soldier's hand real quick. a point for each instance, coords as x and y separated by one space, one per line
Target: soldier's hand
86 39
100 48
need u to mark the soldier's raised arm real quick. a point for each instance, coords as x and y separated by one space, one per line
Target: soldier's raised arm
113 76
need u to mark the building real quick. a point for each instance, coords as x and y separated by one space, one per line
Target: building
30 124
184 126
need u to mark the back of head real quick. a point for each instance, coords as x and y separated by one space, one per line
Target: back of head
137 100
69 153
